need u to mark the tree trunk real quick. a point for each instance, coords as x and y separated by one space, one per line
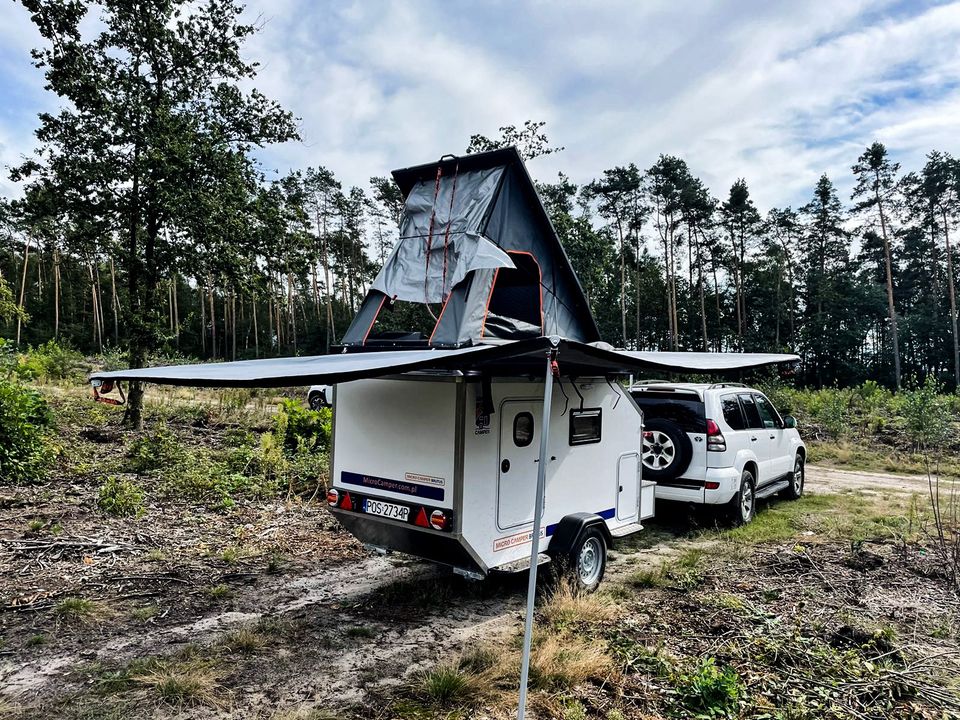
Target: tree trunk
256 334
213 319
23 286
176 309
56 293
115 303
953 303
888 264
623 285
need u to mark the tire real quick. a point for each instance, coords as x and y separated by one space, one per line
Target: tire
743 506
666 450
315 400
797 478
587 560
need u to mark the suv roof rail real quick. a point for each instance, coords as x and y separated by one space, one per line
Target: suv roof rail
726 384
652 382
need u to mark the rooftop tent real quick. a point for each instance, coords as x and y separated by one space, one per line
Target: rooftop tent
477 246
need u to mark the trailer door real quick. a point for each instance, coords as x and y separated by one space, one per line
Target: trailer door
519 451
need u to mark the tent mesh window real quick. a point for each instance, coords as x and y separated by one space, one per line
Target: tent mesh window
515 308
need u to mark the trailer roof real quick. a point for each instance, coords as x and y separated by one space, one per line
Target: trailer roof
511 359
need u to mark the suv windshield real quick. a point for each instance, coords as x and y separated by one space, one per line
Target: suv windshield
685 409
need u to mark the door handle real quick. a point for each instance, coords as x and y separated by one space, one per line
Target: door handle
505 466
753 439
773 437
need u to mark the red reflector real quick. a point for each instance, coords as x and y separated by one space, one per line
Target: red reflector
438 520
347 503
332 497
711 485
422 519
712 427
648 436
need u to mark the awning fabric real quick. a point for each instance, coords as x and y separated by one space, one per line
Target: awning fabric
511 359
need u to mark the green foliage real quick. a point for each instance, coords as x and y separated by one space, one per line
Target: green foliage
26 449
50 361
9 309
927 416
298 426
156 450
120 496
709 691
917 418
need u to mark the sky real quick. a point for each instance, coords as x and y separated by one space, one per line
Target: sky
776 92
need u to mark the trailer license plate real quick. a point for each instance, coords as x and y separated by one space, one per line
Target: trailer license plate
387 510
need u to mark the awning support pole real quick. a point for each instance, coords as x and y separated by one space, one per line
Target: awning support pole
537 522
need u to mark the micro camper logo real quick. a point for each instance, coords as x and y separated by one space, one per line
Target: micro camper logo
521 538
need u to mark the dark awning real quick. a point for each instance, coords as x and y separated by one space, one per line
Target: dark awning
512 359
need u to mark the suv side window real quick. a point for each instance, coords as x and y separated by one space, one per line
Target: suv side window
750 410
732 413
768 413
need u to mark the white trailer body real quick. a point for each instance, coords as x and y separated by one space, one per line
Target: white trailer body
416 447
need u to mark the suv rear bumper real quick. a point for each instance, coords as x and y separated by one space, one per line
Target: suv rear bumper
696 490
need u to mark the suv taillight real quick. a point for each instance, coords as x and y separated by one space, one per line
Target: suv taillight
715 440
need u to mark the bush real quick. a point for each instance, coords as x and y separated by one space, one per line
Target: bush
156 450
121 497
298 426
26 450
50 361
709 691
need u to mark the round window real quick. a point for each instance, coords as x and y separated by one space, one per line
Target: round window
523 429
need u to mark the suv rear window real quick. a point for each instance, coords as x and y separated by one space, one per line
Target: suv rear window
685 409
732 413
750 410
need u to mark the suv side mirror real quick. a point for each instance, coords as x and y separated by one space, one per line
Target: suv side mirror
789 422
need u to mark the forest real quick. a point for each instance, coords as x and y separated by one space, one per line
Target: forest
145 223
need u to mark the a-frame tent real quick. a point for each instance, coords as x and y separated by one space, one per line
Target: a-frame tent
477 246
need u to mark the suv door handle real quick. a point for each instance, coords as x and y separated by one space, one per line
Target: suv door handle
753 439
773 437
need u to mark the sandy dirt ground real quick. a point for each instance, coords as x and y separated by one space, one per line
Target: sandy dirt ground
336 628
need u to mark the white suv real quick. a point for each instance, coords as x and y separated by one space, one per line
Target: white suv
719 444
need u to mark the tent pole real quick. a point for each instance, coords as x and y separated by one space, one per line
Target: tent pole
537 522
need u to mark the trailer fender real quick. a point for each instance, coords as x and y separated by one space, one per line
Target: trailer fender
569 531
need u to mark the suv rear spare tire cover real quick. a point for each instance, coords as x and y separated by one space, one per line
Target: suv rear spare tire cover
666 451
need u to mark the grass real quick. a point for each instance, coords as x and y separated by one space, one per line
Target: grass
145 613
220 591
78 609
565 607
873 457
245 641
180 683
560 662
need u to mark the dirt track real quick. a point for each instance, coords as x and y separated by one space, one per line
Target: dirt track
826 479
349 632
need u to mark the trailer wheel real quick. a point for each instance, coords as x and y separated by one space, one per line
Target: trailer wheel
588 560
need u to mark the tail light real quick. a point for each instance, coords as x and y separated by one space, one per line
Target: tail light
715 440
333 497
439 520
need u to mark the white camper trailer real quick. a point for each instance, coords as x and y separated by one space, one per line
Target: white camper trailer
422 465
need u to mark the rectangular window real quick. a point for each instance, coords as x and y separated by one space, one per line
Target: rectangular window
771 418
732 413
585 426
750 410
